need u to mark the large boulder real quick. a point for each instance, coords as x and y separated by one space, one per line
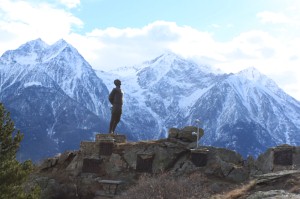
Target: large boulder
283 157
173 133
226 163
163 154
186 134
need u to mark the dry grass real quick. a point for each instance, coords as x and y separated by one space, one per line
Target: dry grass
166 186
290 183
294 184
237 193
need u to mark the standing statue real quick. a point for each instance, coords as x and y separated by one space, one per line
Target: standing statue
116 99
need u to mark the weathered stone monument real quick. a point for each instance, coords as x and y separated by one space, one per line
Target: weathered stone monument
94 152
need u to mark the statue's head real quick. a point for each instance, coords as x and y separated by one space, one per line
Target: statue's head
117 82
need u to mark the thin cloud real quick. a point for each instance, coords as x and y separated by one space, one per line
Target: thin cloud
272 17
277 18
119 47
70 3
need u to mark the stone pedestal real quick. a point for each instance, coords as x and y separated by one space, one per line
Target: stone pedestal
144 162
199 157
116 138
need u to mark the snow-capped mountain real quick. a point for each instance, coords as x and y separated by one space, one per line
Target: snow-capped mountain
57 100
246 111
54 97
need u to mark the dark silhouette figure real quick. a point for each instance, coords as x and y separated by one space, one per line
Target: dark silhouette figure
116 99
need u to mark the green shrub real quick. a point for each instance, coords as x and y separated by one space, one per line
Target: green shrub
13 174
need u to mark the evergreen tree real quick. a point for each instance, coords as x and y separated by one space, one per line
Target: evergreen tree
13 174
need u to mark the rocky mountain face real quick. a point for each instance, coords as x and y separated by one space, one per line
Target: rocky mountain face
57 100
54 97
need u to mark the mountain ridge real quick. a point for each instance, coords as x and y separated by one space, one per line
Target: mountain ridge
167 91
248 92
77 107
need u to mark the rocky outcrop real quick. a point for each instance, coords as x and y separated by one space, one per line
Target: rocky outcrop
271 194
111 157
280 184
275 185
283 157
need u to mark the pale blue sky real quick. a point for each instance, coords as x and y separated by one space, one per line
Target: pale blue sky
205 15
227 34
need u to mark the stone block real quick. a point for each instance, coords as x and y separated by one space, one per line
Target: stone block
89 149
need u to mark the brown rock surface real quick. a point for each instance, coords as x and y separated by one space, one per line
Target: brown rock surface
79 171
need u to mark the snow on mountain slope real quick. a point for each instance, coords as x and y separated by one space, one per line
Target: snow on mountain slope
246 112
141 122
233 108
55 86
64 65
288 105
238 101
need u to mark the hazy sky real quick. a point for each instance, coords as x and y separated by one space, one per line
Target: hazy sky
227 34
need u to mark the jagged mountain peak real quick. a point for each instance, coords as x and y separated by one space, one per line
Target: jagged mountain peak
169 61
252 73
27 53
170 68
37 44
260 80
171 56
163 60
168 57
62 44
37 51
